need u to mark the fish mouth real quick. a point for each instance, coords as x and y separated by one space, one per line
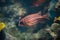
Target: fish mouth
21 23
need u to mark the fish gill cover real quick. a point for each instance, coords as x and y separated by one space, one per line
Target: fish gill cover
42 14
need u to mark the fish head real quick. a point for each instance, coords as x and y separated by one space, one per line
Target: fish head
21 23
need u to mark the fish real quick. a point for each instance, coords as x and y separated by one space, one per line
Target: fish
2 25
33 19
57 18
38 2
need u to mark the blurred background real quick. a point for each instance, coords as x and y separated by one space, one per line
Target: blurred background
11 11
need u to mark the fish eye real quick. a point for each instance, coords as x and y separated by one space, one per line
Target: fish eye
22 23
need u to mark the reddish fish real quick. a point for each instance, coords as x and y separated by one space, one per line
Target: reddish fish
32 19
38 2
